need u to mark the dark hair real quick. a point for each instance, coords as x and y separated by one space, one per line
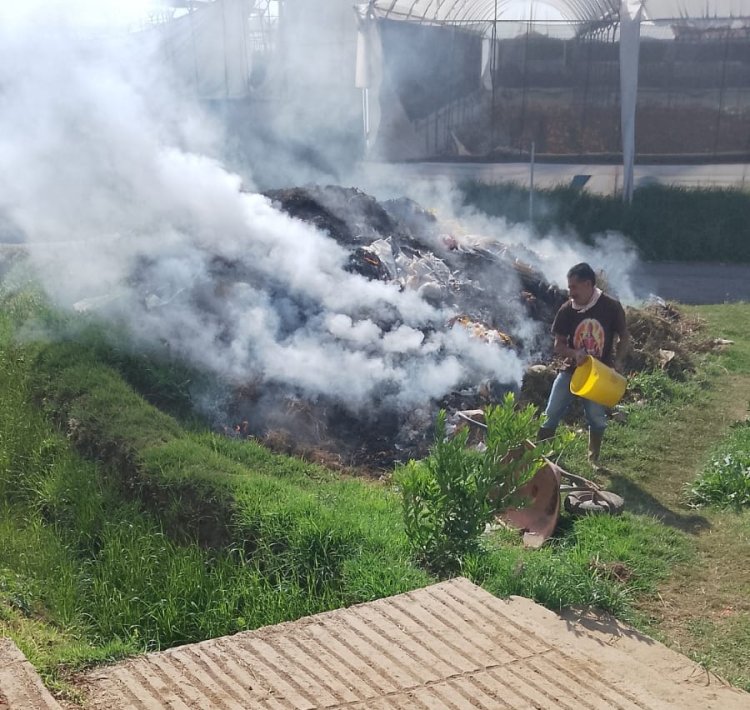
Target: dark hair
583 272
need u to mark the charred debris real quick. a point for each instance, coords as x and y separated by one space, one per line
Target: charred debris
488 289
493 290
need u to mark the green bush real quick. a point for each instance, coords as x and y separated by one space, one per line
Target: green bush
657 387
725 482
446 504
449 498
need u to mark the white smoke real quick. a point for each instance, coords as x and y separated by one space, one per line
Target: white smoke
552 254
114 184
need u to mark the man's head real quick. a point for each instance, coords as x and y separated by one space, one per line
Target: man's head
581 283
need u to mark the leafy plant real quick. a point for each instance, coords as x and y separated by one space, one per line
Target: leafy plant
449 498
725 482
446 503
509 460
657 387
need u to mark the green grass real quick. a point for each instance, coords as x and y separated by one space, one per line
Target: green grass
597 561
652 400
729 321
40 602
724 479
651 460
704 224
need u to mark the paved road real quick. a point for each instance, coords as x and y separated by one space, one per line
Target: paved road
602 179
695 283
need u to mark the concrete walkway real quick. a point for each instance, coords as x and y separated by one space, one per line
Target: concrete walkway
20 685
448 646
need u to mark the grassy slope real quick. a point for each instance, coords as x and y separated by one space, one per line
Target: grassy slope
87 572
87 567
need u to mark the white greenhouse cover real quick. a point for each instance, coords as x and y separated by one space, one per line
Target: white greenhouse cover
208 48
629 14
483 11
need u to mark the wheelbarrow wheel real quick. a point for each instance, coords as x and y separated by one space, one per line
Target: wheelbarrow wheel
584 502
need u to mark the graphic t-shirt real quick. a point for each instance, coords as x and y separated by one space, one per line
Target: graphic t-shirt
593 330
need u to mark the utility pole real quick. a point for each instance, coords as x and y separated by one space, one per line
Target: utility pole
531 183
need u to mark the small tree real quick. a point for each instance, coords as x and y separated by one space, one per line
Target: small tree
450 497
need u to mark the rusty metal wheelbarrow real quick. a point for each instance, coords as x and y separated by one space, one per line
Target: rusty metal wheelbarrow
538 512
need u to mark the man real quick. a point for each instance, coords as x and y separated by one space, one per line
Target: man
587 324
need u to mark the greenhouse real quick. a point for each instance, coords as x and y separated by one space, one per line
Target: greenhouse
668 80
586 81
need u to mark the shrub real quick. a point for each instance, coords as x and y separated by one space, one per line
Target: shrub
446 502
656 387
449 498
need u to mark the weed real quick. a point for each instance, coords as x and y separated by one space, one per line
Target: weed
657 388
725 481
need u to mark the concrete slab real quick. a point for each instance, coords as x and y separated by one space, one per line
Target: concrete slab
451 645
21 687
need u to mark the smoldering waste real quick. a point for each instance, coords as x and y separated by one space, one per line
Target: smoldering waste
494 293
480 284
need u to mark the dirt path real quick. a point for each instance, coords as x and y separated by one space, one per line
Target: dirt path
705 602
451 645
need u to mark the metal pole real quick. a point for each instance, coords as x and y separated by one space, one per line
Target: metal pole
366 117
717 135
531 184
493 70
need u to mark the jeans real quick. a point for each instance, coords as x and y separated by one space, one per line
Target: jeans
561 398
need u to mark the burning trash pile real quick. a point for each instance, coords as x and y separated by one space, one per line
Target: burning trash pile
479 290
334 326
479 287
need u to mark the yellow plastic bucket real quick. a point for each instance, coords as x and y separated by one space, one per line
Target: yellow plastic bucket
597 382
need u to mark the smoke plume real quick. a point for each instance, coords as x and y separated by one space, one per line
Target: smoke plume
113 182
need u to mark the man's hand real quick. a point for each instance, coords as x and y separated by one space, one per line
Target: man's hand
561 348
